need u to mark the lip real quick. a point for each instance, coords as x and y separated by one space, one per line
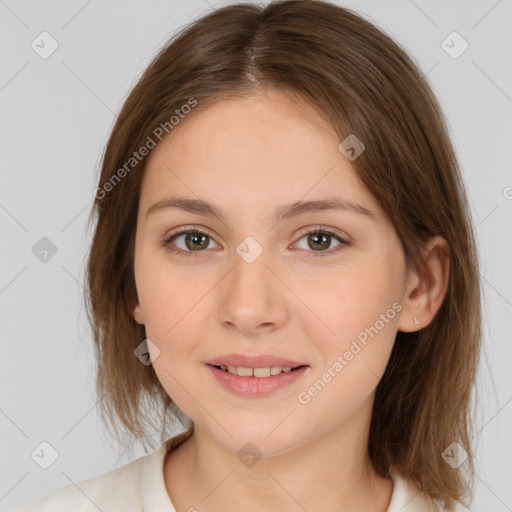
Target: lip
254 386
261 361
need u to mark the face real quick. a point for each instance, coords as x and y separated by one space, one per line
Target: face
253 284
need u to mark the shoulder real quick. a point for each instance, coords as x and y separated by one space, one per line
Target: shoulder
407 497
108 491
136 486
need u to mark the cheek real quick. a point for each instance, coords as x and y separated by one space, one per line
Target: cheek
169 296
363 313
357 295
175 317
361 310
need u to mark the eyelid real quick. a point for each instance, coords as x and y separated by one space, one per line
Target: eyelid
303 231
319 227
193 227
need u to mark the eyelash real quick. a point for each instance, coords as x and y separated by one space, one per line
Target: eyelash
166 242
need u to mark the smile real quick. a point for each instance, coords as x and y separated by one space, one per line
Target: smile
254 382
242 371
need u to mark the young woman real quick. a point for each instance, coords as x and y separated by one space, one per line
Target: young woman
283 261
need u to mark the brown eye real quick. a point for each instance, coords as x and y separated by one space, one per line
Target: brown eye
187 242
195 241
319 241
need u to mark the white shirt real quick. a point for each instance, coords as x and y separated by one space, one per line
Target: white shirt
139 486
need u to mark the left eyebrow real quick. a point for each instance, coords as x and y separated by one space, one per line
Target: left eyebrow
283 212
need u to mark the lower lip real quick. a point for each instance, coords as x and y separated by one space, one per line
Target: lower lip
254 386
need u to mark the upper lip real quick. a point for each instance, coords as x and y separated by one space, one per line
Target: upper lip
262 361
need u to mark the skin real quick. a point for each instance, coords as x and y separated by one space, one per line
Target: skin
314 456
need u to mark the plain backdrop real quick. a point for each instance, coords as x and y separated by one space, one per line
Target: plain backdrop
55 117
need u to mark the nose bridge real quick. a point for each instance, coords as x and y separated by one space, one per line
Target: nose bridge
250 274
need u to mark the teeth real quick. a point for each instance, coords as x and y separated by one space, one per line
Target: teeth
255 372
244 372
262 372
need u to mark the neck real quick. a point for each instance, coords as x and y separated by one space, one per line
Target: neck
330 472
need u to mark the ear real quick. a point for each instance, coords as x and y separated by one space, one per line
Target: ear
138 314
426 287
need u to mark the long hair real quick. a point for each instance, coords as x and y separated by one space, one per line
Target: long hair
363 83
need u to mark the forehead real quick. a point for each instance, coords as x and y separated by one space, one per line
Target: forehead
261 150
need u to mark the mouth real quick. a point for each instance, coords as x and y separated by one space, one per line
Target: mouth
259 372
259 381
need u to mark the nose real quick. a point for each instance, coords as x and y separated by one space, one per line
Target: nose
252 298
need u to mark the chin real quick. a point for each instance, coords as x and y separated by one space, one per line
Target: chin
258 439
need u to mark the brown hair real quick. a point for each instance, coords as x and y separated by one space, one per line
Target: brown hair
362 83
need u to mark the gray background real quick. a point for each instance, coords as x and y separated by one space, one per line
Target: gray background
56 114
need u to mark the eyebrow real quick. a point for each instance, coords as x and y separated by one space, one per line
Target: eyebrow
283 212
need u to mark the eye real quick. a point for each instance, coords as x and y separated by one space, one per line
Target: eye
196 240
319 238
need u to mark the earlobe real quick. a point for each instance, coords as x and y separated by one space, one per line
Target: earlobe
428 287
138 314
